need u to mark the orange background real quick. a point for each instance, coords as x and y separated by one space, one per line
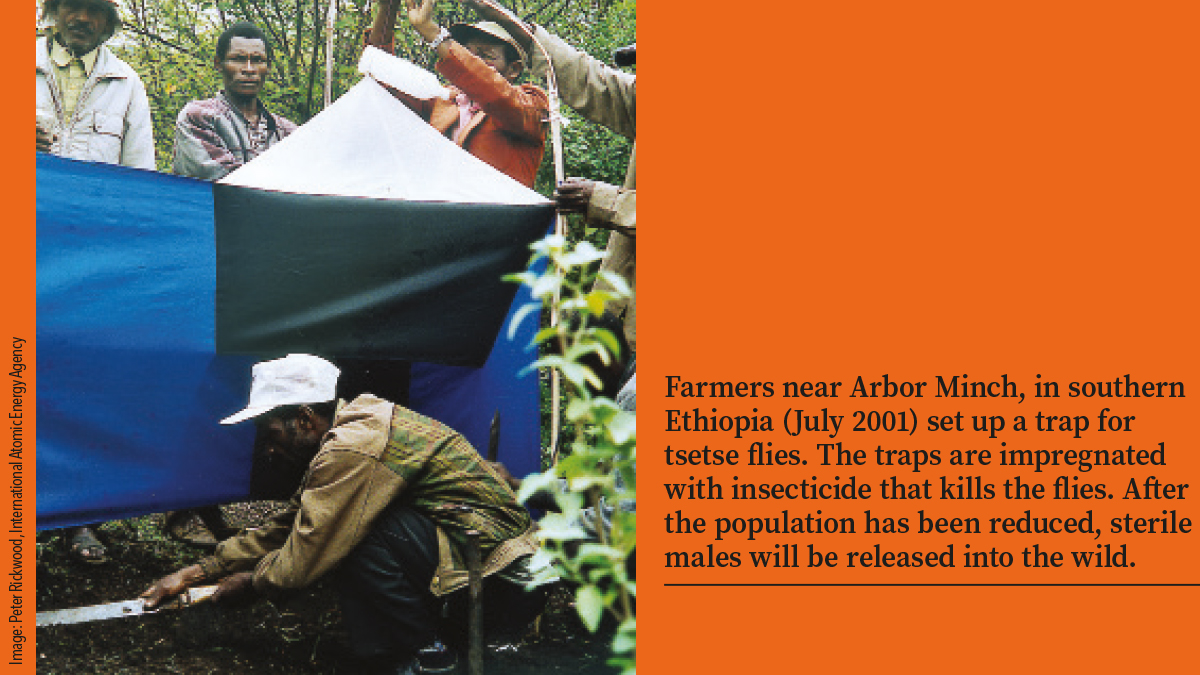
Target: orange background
18 319
919 189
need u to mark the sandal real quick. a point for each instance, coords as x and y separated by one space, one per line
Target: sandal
84 547
214 522
182 526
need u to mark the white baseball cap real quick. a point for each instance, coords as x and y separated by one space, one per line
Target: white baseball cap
292 380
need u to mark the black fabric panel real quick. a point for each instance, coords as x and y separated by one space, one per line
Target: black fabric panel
384 378
366 278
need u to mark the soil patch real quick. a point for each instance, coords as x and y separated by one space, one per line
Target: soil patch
303 635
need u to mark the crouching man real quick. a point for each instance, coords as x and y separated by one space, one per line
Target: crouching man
380 513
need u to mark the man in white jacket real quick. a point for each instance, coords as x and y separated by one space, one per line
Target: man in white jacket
90 104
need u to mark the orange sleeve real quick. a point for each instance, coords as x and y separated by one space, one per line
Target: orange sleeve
521 110
422 106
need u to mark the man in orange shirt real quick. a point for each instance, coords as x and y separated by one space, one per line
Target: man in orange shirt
488 115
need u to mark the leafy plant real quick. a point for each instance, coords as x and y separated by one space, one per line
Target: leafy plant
591 540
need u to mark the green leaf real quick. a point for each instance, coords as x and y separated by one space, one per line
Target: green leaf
580 376
549 244
568 304
579 350
604 295
578 409
590 605
536 483
624 529
600 552
624 643
569 502
595 304
623 427
546 285
524 311
547 333
541 565
582 483
583 254
606 338
617 282
603 410
560 527
523 278
579 463
549 361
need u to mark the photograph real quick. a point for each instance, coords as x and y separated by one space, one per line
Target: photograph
335 361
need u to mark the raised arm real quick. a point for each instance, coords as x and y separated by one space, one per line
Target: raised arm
600 93
518 110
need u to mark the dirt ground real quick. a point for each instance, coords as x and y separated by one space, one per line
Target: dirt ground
301 636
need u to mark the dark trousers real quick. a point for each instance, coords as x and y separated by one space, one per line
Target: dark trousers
387 607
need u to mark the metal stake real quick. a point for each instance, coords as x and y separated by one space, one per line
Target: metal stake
475 612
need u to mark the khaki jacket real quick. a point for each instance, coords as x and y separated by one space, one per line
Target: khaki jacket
614 208
375 453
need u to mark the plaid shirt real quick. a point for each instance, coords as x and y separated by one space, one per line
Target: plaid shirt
212 137
377 452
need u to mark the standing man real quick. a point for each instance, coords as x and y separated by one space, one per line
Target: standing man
90 104
217 135
213 137
608 97
383 512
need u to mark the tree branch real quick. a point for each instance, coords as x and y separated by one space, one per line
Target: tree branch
134 28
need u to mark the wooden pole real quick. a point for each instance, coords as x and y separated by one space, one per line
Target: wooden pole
475 608
330 24
560 222
383 31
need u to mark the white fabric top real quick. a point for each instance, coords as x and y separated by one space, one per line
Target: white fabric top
369 144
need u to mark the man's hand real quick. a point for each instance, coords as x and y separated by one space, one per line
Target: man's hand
235 589
573 195
166 588
43 138
420 15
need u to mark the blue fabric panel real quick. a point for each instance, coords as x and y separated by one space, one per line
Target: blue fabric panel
466 398
129 387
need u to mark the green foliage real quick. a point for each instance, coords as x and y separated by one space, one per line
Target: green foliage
595 563
590 151
171 44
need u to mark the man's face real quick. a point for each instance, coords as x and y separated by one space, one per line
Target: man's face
245 67
494 53
81 25
288 440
